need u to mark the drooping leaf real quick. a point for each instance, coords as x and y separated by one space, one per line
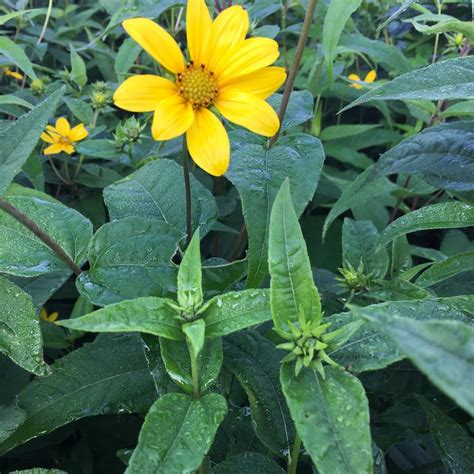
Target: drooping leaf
156 192
177 434
14 52
256 363
20 334
234 311
331 417
445 269
442 350
20 138
109 376
258 173
292 289
150 315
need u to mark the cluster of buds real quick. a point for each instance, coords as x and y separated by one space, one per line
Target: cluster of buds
101 95
355 280
38 86
128 132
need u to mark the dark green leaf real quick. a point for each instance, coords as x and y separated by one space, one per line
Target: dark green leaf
247 463
446 269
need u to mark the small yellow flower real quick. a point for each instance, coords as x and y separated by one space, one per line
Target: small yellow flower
51 318
369 78
225 70
16 75
62 137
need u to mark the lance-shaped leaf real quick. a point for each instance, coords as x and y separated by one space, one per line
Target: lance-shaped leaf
292 290
20 333
190 296
147 314
236 310
177 434
450 79
331 417
442 350
11 50
109 376
445 269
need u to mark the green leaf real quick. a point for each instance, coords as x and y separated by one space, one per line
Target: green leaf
177 434
258 173
466 28
292 290
234 311
336 132
299 110
445 269
195 335
247 462
130 258
446 215
13 99
175 355
101 148
24 254
147 314
454 445
445 80
126 56
14 52
331 417
156 192
359 239
337 15
79 70
442 350
20 333
190 295
109 376
370 349
256 363
20 138
84 112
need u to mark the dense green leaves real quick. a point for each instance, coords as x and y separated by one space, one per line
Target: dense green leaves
258 173
20 334
443 350
177 433
20 138
109 376
247 462
331 417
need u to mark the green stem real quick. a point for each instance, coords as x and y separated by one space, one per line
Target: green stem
78 167
46 21
187 188
295 454
308 19
194 375
94 118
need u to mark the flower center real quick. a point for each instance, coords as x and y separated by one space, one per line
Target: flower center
64 141
197 85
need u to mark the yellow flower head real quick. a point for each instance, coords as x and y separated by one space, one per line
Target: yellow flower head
225 70
62 137
16 75
369 78
51 318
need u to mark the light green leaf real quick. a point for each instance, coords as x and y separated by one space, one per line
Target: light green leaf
292 289
147 314
14 52
442 350
190 295
445 269
177 434
234 311
331 417
255 362
447 215
20 333
13 99
79 70
84 112
450 79
126 56
466 28
20 138
195 335
336 132
109 376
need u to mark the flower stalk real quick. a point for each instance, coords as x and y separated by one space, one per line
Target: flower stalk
187 188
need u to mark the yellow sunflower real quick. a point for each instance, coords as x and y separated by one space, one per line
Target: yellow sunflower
225 70
62 137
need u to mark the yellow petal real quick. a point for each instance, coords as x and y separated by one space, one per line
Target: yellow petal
173 116
143 93
79 132
69 149
371 76
63 127
248 111
156 42
246 57
208 143
46 137
53 316
355 77
262 83
53 149
198 28
228 29
43 313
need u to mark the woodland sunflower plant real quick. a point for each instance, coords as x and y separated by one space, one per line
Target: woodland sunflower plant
297 298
